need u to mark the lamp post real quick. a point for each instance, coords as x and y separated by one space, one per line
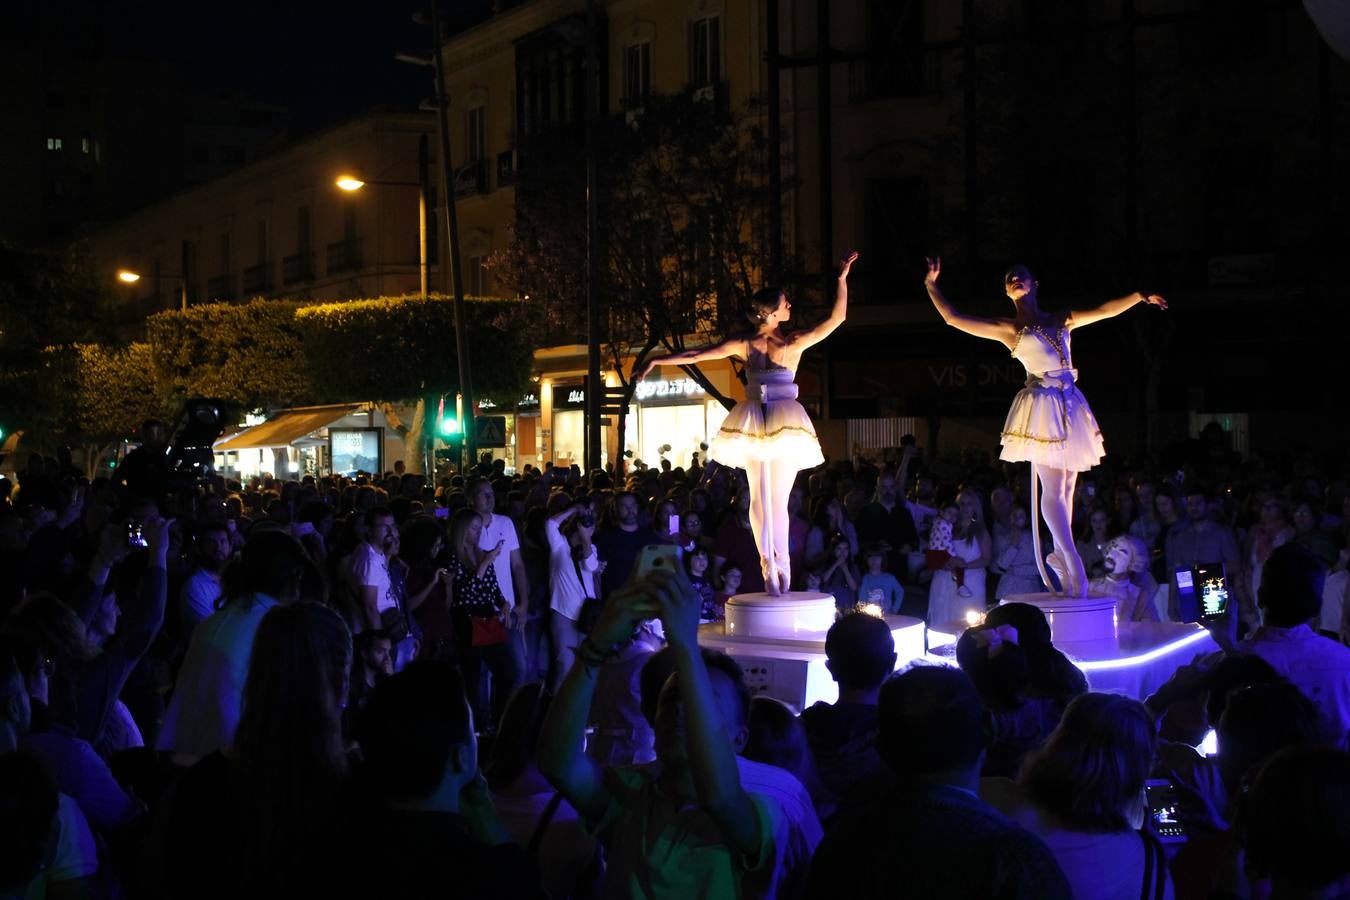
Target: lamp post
352 183
128 276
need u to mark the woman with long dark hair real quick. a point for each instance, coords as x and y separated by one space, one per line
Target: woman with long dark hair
1049 424
258 818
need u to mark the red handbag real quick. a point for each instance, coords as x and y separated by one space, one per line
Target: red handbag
487 630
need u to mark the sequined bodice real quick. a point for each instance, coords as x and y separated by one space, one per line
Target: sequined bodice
1043 349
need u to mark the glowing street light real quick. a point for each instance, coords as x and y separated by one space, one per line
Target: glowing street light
351 184
127 276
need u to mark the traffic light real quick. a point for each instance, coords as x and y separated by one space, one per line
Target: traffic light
447 427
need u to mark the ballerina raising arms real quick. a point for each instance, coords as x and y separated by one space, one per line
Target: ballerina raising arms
1049 424
769 434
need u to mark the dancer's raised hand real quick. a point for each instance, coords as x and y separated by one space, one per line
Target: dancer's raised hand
1154 300
934 270
846 262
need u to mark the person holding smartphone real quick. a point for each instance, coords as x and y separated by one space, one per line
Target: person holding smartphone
573 565
685 827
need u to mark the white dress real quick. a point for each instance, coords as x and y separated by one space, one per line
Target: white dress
946 603
1050 422
769 424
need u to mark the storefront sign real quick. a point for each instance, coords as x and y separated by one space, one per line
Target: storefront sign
668 389
569 396
529 401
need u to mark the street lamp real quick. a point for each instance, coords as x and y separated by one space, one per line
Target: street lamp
351 184
127 276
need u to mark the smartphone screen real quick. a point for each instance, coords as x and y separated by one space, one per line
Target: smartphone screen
442 512
1213 589
674 525
1163 811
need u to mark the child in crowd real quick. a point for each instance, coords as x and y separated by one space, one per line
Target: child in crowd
881 587
940 546
728 586
696 567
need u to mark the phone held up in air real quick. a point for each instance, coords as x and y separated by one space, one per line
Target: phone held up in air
1163 810
657 557
136 534
1202 592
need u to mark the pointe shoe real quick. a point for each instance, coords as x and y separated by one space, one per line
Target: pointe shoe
770 577
1055 563
783 572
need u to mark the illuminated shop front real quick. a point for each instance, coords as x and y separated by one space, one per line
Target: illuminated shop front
567 439
671 412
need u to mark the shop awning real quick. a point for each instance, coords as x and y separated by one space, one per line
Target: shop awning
287 427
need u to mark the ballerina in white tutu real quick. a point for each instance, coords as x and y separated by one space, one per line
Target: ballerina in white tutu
1050 424
769 434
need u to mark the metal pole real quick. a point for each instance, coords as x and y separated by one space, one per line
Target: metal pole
183 279
423 185
452 229
775 149
594 394
823 115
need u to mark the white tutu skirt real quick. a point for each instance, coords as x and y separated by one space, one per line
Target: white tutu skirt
749 433
1052 425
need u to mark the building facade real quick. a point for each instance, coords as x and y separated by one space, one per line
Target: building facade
281 228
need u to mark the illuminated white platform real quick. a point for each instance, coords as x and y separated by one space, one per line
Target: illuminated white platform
1135 661
1073 618
793 616
780 643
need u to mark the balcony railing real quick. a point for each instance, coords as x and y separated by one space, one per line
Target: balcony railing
258 279
344 255
297 267
221 287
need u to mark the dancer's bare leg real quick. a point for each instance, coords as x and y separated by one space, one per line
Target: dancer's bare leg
761 523
782 476
1058 517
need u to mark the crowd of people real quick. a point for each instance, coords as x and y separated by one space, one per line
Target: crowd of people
464 686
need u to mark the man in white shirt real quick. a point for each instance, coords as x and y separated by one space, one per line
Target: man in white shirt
201 590
509 565
571 581
1290 598
370 566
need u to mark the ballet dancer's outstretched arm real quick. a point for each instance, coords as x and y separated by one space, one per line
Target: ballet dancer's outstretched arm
729 347
813 336
1110 308
1000 330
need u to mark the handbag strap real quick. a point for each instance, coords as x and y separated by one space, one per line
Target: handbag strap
581 581
1155 868
537 838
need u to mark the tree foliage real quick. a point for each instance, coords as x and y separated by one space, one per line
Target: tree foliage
398 347
250 354
683 217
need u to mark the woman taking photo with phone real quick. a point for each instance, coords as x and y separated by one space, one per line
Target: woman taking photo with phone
1049 424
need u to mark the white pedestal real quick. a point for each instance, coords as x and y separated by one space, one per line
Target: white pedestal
1073 618
799 615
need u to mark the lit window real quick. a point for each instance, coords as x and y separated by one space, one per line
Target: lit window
637 72
54 143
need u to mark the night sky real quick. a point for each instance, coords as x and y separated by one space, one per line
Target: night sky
323 61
